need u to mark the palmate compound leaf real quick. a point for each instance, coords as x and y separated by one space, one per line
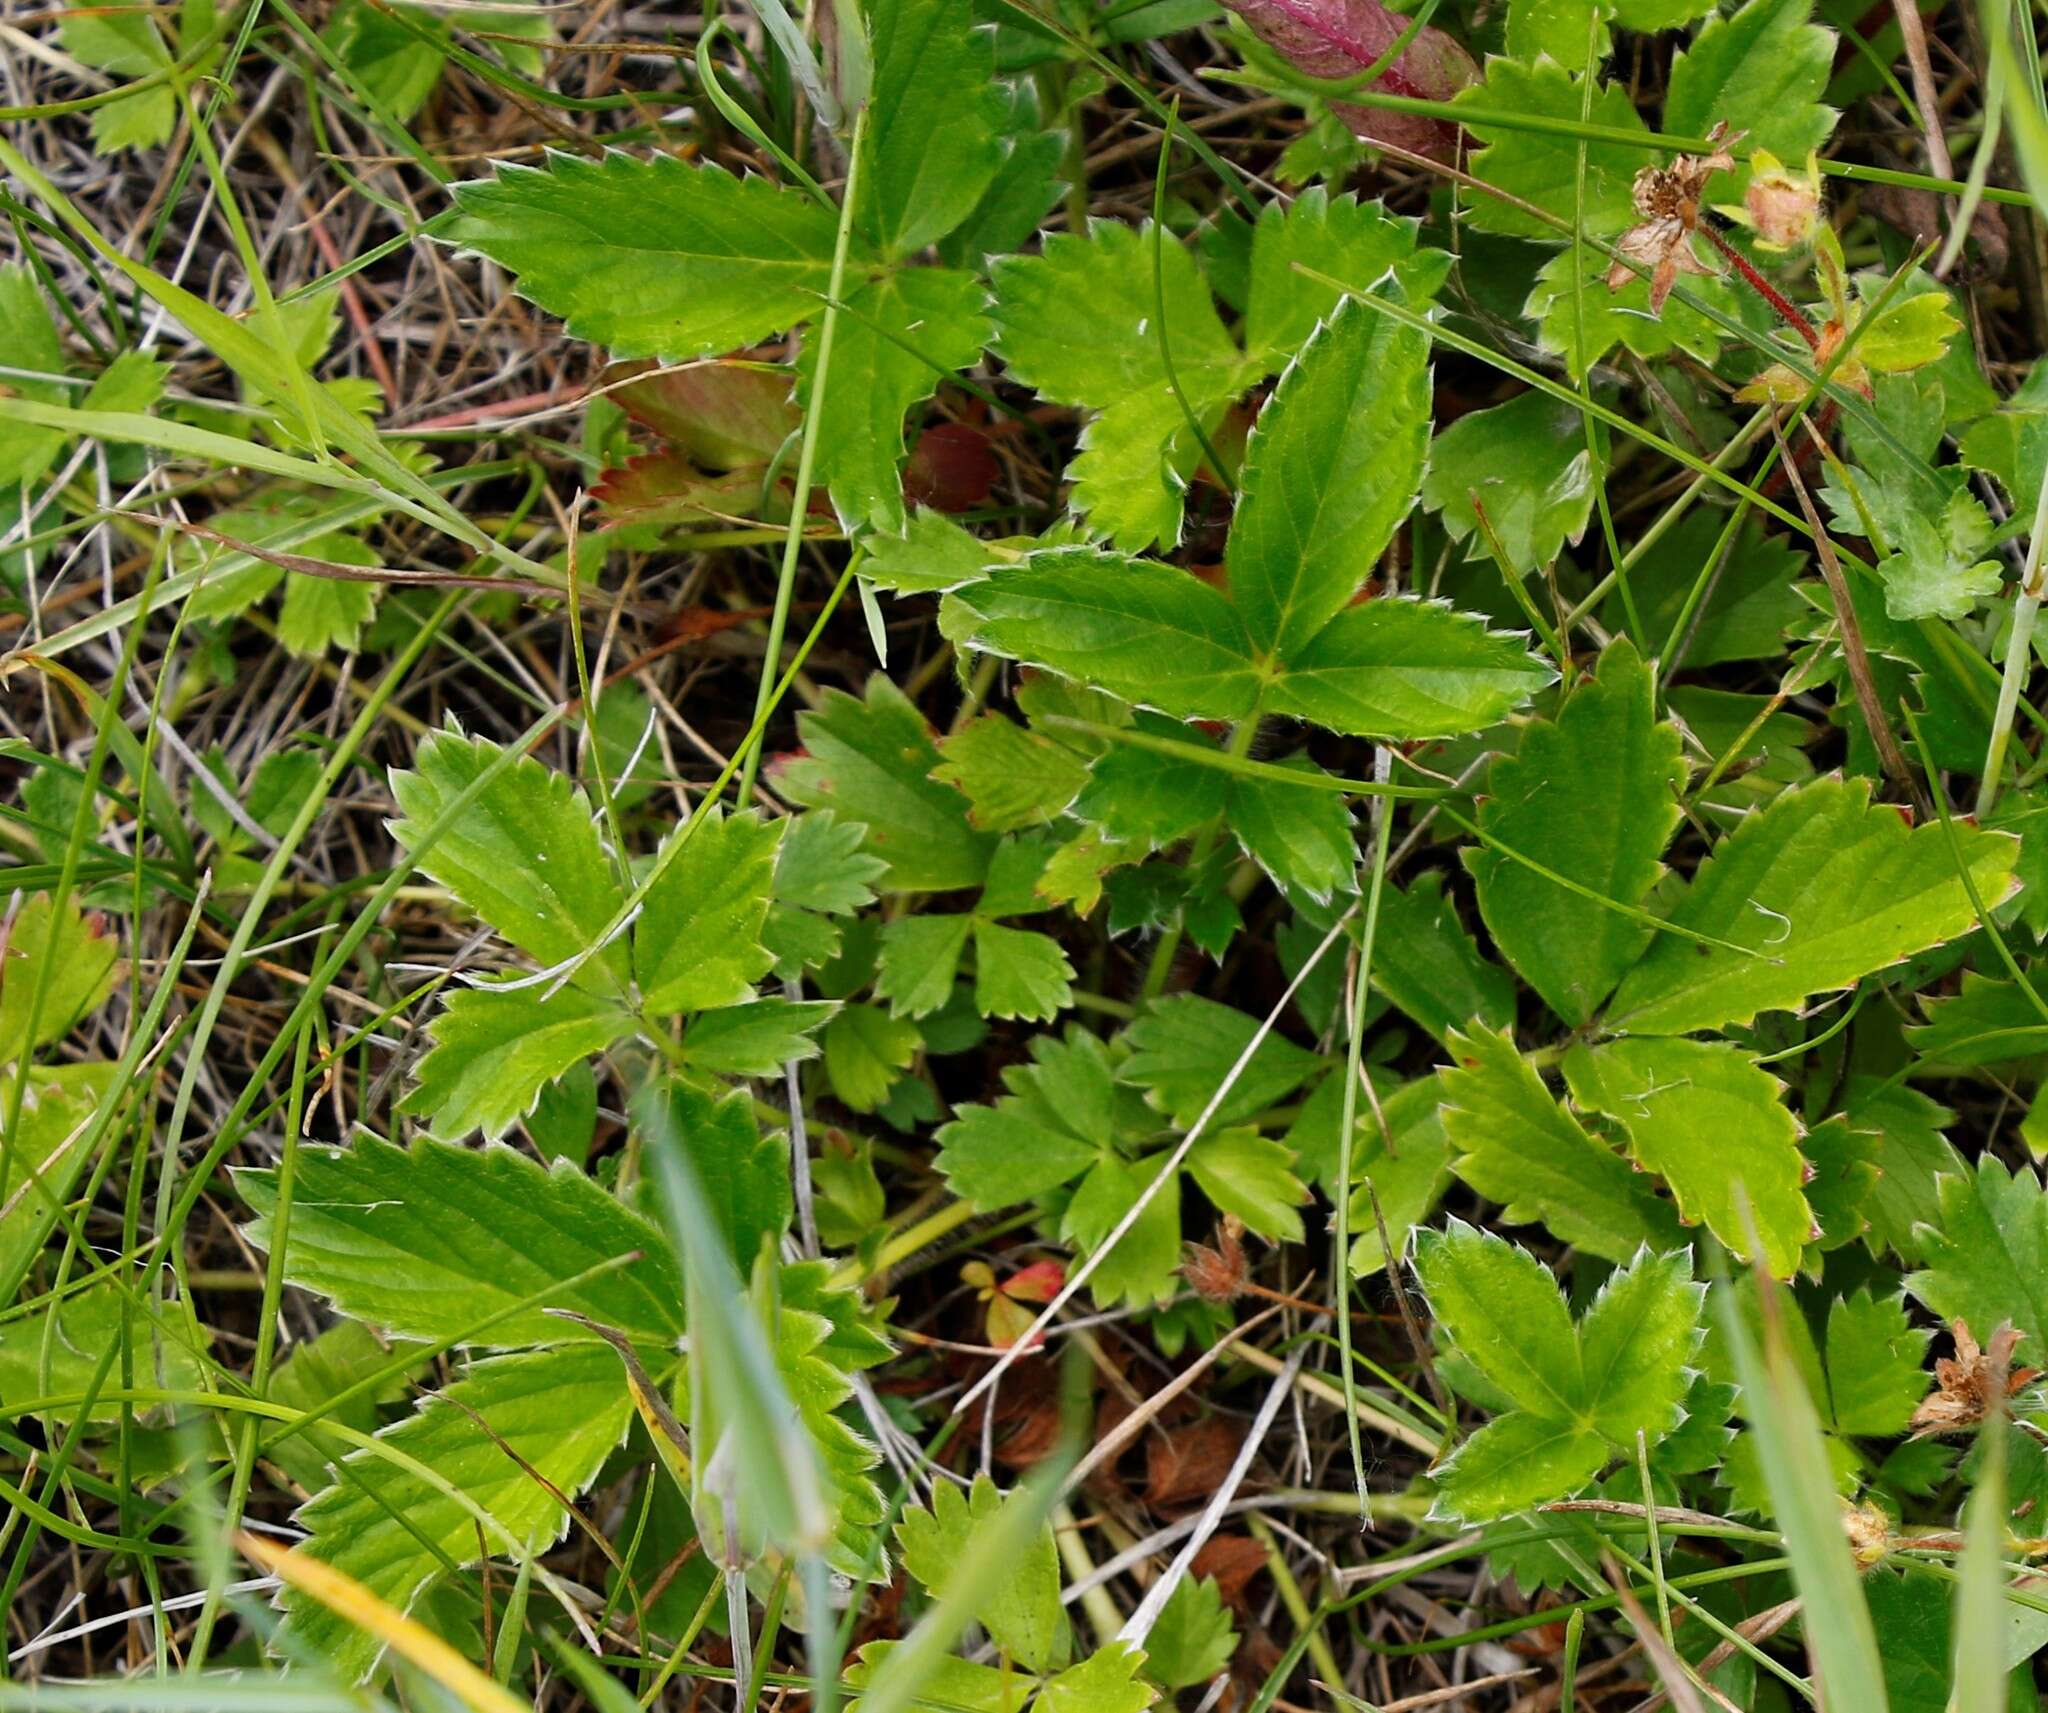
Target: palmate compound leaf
1022 1615
1590 795
1708 1120
1519 1146
652 257
1155 635
517 1436
429 1241
1581 1394
1824 887
524 855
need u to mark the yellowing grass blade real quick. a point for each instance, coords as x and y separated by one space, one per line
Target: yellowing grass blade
413 1642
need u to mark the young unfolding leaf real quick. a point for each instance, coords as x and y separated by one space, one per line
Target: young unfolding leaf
1824 887
1589 795
431 1241
1711 1123
1580 1395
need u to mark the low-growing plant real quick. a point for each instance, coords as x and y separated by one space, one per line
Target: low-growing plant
1000 742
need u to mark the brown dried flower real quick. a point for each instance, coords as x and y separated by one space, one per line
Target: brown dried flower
1870 1534
1217 1275
1667 200
1971 1383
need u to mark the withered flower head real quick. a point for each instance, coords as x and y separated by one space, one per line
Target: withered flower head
1667 201
1870 1534
1971 1383
1217 1275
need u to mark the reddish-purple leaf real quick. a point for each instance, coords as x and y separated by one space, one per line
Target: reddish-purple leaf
1341 38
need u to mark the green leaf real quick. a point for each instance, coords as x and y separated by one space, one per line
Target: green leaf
1183 1048
29 337
1912 1158
429 1241
1985 1258
44 1154
650 255
1193 1638
1592 796
697 942
321 615
1025 186
495 1049
756 1039
929 555
1301 838
1253 1177
871 762
48 1353
1749 605
316 1375
1940 568
1908 334
1760 71
995 1156
1988 1022
1427 963
524 855
1825 887
1526 464
1153 799
1875 1377
1144 1267
1582 326
745 1175
1341 237
865 1049
1328 474
874 380
934 146
1013 776
1521 1148
1514 1462
919 960
1147 632
1563 29
820 865
1709 1121
76 950
1637 1342
1405 1163
1543 168
518 1436
1501 1308
1019 973
1129 474
1105 1682
1401 668
1022 1614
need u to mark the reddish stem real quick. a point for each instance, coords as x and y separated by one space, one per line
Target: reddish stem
1788 311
